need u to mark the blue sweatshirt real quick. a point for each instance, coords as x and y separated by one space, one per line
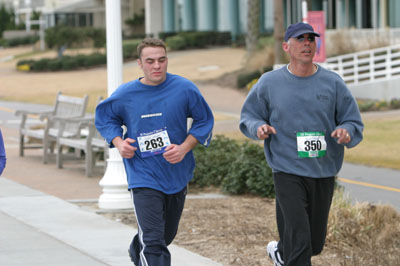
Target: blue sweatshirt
294 105
146 110
2 154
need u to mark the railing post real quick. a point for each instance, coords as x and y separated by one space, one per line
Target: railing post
388 62
340 66
355 60
371 65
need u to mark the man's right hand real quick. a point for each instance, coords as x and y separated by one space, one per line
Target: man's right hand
264 131
124 147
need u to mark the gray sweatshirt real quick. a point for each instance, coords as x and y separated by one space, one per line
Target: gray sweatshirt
298 107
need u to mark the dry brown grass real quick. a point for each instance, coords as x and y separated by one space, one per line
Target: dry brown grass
364 234
235 231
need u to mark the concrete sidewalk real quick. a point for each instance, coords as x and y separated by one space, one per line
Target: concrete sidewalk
38 229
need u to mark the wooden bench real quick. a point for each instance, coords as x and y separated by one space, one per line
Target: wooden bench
47 127
91 144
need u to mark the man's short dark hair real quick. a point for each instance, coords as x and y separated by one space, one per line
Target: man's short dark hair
150 42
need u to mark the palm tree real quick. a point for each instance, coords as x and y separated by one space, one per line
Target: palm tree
278 31
253 26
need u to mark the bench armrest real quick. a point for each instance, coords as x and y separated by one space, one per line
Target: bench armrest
33 113
81 122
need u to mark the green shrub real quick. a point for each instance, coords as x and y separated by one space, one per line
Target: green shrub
61 37
240 40
176 43
236 168
41 65
19 41
250 173
267 69
196 39
365 106
129 49
25 62
266 40
250 84
164 35
213 163
245 78
372 105
199 39
53 65
69 63
96 59
65 63
81 60
98 36
395 104
381 105
223 38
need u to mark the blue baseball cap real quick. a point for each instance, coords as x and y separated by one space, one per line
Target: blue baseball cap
298 29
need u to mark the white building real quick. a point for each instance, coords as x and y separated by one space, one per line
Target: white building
75 13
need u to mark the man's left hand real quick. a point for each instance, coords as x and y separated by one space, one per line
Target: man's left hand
174 153
342 136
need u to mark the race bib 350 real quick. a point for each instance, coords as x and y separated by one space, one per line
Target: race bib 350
311 144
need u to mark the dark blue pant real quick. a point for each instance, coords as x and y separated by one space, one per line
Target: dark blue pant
302 210
158 216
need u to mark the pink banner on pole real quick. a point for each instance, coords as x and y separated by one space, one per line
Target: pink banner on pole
317 20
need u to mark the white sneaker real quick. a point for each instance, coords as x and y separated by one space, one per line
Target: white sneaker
273 253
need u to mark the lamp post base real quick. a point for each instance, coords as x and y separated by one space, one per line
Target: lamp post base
115 187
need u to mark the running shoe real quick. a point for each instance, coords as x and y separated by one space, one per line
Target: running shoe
273 253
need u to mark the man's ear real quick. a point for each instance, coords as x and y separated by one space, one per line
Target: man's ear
285 46
139 62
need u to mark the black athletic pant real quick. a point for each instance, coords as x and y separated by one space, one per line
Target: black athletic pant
302 210
158 216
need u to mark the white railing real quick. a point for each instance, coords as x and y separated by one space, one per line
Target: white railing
367 66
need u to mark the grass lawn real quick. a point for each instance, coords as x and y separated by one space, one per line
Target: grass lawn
381 144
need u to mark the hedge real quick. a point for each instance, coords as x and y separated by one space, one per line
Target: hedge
237 168
374 105
176 43
249 173
65 63
245 78
129 49
199 39
18 41
213 163
75 62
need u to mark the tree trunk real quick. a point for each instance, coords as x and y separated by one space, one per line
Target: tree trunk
279 31
253 26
